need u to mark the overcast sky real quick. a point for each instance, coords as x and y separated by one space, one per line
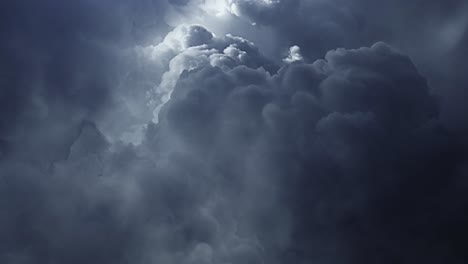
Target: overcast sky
233 131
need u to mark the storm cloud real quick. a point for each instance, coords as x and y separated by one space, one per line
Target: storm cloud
240 131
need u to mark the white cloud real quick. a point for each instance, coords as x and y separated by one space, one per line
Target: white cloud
294 54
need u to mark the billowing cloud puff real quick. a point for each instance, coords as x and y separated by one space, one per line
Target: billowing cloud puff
189 47
294 54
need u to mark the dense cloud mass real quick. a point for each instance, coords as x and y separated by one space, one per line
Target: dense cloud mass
432 32
156 131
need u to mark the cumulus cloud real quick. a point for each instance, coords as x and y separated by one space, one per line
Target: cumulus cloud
248 166
432 36
188 47
294 54
340 136
333 155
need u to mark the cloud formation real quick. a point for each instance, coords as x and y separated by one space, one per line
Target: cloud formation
433 36
124 140
350 146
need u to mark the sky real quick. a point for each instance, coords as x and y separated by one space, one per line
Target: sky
233 131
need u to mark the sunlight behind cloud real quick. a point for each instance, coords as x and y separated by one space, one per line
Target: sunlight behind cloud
217 7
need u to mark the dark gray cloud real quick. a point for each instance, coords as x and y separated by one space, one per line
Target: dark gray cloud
330 156
354 143
432 33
